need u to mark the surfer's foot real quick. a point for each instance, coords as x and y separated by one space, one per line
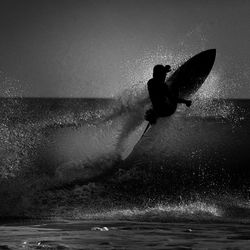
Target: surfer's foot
152 121
188 103
150 116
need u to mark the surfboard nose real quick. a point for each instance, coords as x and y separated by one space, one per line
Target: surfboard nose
210 51
209 54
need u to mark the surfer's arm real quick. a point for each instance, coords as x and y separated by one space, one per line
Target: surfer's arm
171 96
184 101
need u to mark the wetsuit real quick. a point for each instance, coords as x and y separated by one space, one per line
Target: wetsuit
163 101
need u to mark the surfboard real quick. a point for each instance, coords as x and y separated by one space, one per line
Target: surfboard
186 80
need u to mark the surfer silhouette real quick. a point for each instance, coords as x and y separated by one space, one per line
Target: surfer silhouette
164 100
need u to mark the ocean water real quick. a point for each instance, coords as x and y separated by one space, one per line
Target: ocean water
64 185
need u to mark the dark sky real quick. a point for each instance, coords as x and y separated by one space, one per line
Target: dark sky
97 48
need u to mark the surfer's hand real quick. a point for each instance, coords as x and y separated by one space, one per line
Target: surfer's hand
188 103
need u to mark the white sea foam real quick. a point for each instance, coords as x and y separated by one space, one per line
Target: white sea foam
162 211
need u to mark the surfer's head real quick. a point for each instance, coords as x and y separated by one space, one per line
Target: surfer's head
160 71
